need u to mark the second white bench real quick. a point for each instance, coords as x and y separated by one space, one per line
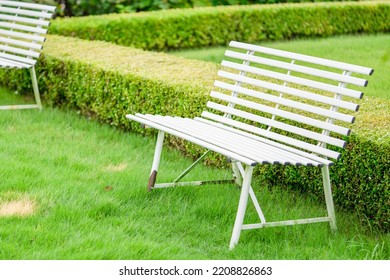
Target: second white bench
23 27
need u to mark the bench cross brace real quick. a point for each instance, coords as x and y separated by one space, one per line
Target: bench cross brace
176 183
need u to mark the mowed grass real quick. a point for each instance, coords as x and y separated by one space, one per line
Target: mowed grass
72 188
366 50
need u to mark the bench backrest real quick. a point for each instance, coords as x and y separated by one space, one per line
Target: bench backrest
22 30
287 97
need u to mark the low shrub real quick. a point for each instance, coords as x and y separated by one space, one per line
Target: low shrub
192 28
105 81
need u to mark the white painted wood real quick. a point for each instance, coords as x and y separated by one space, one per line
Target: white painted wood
283 89
21 35
29 13
140 118
232 141
28 5
19 51
12 64
35 30
27 61
287 102
294 80
269 134
305 58
24 20
230 127
20 43
219 138
298 68
262 153
284 114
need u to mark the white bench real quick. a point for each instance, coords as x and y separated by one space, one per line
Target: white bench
22 29
271 107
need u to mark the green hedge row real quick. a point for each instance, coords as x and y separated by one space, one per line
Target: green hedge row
100 7
105 81
192 28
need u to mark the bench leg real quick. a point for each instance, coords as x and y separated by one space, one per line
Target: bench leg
38 104
247 178
328 197
156 160
239 172
35 87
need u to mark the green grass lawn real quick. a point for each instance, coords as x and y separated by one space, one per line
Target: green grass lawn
72 188
366 50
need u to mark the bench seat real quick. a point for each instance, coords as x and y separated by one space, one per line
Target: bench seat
232 143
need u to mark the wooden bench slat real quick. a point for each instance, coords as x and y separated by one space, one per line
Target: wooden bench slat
304 155
141 119
37 30
12 63
305 58
20 43
282 101
293 116
280 88
262 153
7 64
26 12
290 128
32 21
298 68
21 35
224 139
264 132
19 51
28 5
293 79
244 146
250 146
17 58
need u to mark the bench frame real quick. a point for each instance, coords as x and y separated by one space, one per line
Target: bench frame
22 31
222 134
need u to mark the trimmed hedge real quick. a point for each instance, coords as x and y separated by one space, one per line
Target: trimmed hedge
106 81
100 7
192 28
